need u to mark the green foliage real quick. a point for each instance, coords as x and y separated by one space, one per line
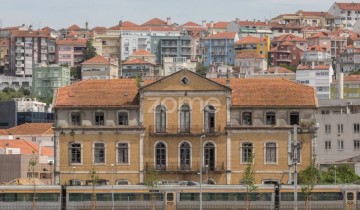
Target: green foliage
357 72
75 72
94 177
248 180
292 68
151 178
344 175
89 51
9 93
309 176
138 80
202 70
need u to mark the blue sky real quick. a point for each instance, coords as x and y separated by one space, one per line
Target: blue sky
63 13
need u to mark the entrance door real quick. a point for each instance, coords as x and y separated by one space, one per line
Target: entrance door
350 200
209 156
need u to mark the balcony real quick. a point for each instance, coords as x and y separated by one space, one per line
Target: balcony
176 130
19 43
19 72
168 53
19 58
43 51
20 65
194 168
186 52
168 45
19 51
283 59
283 51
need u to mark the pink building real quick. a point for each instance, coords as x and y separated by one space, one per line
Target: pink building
69 51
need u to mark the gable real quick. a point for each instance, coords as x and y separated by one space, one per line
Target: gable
195 83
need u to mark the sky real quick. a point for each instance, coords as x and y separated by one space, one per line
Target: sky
59 14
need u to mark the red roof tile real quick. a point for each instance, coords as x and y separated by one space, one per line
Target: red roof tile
191 24
99 29
4 42
250 40
26 147
71 42
136 61
279 69
352 78
32 129
128 24
252 23
98 93
142 53
29 34
317 48
74 28
348 6
97 60
222 35
154 22
248 55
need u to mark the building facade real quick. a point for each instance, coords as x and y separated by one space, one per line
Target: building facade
100 67
174 64
345 14
69 51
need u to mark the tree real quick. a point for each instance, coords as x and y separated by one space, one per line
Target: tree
292 68
94 177
249 181
75 72
307 179
151 181
31 166
202 70
344 175
89 51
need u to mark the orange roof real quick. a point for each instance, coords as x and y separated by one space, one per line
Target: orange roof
32 129
250 40
98 59
348 6
154 22
3 132
352 78
74 28
98 93
288 37
4 42
191 24
321 67
142 53
99 29
270 92
321 34
29 34
71 41
287 43
248 55
128 24
219 25
222 35
136 61
252 23
26 147
317 48
279 69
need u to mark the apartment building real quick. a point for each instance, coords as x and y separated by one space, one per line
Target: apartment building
349 59
218 27
144 55
133 39
250 63
107 43
346 87
28 48
249 44
46 79
131 130
285 53
219 48
255 28
4 50
318 77
100 67
345 14
174 64
69 51
317 55
138 67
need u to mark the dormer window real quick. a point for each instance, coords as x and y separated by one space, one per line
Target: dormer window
270 118
123 118
246 118
75 118
99 118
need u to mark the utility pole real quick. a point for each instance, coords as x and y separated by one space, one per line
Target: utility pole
293 149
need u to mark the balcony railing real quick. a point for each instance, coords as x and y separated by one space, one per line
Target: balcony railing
184 130
190 168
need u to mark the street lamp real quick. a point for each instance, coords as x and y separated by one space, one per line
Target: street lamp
201 163
335 174
73 182
112 186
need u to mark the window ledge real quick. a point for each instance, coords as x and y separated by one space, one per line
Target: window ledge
123 164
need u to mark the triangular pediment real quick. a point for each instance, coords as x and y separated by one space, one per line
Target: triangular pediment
185 80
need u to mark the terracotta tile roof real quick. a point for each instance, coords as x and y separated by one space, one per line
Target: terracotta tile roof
99 29
348 6
128 24
252 23
287 43
97 60
191 24
266 92
317 48
321 67
4 42
218 25
352 78
279 69
136 61
80 41
29 34
74 28
98 93
321 34
248 55
154 22
32 129
3 132
142 53
26 147
222 35
316 14
288 37
250 40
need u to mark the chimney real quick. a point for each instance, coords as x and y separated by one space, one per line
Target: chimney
341 85
237 20
203 23
168 21
120 23
211 24
254 21
86 26
228 77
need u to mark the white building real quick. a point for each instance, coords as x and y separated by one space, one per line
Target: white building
346 14
338 136
99 67
132 41
350 59
174 64
319 77
250 64
30 105
316 54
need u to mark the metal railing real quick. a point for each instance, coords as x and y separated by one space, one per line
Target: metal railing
193 167
184 129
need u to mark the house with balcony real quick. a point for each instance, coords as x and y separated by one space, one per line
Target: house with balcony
280 29
219 48
349 59
249 44
345 14
317 55
318 77
133 39
144 55
69 51
298 41
138 67
164 124
99 67
285 53
174 64
46 79
250 64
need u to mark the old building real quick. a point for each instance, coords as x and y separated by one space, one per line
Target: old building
99 67
69 51
166 125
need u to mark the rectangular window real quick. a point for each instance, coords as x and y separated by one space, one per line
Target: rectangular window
99 118
340 128
356 144
270 118
340 144
327 128
123 118
270 152
294 118
75 119
247 152
123 153
247 118
356 128
327 144
75 153
99 153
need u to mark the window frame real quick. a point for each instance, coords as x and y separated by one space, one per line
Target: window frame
128 153
249 113
327 145
118 117
71 118
327 128
270 114
266 147
340 144
242 152
206 115
95 116
94 153
155 156
190 154
292 114
187 124
162 113
356 128
356 143
70 153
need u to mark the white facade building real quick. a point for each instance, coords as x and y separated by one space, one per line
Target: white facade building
132 41
319 77
174 64
346 14
30 105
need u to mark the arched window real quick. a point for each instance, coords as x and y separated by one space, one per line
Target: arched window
210 181
160 119
247 152
209 119
99 153
270 152
75 152
122 182
123 153
209 156
160 156
185 157
185 119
